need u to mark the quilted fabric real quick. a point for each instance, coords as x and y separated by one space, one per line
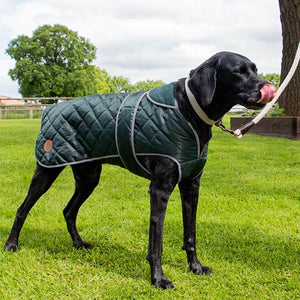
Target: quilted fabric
120 125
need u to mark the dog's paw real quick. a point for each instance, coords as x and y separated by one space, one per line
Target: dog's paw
82 245
200 270
206 270
11 247
163 283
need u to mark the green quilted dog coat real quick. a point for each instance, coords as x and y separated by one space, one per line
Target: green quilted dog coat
121 125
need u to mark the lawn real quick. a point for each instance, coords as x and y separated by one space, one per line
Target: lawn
248 227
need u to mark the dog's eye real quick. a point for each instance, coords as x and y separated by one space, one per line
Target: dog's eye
240 70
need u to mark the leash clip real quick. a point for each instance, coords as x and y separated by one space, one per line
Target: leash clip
223 127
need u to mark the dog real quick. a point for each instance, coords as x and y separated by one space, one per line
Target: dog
210 91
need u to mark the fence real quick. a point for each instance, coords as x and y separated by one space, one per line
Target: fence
31 109
20 112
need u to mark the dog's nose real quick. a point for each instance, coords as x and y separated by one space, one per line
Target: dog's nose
267 92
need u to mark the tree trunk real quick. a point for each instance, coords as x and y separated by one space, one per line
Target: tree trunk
290 22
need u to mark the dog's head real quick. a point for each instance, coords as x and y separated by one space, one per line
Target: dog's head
227 79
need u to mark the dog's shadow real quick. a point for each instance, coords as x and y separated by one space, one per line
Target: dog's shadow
248 245
218 242
105 254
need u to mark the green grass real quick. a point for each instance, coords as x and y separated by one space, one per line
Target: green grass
248 227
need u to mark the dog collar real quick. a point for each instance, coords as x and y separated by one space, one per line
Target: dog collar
198 110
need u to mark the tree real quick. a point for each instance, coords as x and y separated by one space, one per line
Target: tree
87 81
290 22
146 85
119 84
55 61
273 78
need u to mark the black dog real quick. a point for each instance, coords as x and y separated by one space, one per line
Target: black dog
224 80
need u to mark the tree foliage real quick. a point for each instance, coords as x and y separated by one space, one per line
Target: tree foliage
55 61
146 85
120 84
273 78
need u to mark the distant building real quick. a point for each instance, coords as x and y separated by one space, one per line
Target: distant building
238 109
10 101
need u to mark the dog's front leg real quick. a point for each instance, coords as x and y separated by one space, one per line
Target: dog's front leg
189 190
160 191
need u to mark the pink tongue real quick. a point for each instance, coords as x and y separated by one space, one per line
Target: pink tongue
268 92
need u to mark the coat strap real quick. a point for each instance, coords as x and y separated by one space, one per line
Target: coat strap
125 131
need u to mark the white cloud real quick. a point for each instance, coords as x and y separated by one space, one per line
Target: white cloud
153 39
7 86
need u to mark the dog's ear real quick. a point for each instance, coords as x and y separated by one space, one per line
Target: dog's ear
203 81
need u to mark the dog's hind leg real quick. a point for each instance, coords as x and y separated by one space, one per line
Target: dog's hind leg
87 177
40 183
189 190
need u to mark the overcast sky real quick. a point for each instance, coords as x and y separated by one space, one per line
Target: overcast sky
157 39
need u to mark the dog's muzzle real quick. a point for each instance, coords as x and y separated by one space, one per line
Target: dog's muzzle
267 92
